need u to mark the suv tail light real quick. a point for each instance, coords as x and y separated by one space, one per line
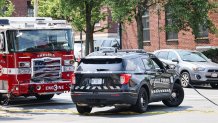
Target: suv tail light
124 78
73 79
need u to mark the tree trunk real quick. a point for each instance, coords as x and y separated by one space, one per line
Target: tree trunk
91 41
89 33
138 18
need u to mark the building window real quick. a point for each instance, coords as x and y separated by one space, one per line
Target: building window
30 8
146 26
170 35
2 42
203 32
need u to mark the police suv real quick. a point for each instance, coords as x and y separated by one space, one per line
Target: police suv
131 78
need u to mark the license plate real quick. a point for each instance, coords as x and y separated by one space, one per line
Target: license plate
214 75
96 81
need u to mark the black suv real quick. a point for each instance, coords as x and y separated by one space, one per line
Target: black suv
124 78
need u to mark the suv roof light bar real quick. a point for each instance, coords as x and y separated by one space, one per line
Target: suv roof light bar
133 50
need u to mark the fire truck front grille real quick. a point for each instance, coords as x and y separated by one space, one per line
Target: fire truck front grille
46 69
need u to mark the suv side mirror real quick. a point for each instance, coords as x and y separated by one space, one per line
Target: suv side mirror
175 60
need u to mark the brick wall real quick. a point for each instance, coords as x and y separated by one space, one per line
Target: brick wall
20 7
185 39
108 20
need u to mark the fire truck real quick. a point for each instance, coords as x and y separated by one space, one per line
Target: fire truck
36 57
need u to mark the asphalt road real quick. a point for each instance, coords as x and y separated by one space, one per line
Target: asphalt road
61 109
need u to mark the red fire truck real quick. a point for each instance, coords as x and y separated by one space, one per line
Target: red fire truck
36 57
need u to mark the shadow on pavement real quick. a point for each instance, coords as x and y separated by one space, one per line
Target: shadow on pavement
13 119
203 86
33 103
153 109
24 109
206 87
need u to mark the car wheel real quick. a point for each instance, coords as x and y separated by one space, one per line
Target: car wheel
185 79
176 97
214 85
83 109
44 97
142 101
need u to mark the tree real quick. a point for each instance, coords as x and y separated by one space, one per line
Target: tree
6 8
186 14
83 15
50 8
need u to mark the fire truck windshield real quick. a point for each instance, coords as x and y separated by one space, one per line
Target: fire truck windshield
40 40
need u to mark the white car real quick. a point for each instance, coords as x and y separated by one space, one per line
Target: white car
193 66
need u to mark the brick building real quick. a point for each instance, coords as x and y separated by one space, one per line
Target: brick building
22 8
155 38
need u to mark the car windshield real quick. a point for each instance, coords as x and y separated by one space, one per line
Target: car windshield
40 40
192 56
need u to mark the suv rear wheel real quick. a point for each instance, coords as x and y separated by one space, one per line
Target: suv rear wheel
83 109
142 101
214 85
185 79
176 97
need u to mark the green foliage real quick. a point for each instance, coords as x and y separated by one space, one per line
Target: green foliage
122 10
212 54
72 10
190 14
6 8
76 11
50 8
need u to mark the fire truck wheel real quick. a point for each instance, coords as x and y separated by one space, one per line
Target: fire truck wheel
44 97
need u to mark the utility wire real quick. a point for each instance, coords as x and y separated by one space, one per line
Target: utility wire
203 95
198 91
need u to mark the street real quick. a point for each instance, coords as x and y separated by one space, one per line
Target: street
61 109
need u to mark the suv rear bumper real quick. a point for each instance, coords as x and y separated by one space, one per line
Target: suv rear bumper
104 98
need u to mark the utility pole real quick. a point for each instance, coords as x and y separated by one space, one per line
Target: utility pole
81 40
120 34
158 12
35 8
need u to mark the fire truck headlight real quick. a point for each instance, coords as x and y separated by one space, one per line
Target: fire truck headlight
24 64
38 87
69 62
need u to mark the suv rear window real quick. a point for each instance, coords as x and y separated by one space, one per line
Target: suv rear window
101 65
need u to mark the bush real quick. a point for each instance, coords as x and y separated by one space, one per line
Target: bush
212 54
